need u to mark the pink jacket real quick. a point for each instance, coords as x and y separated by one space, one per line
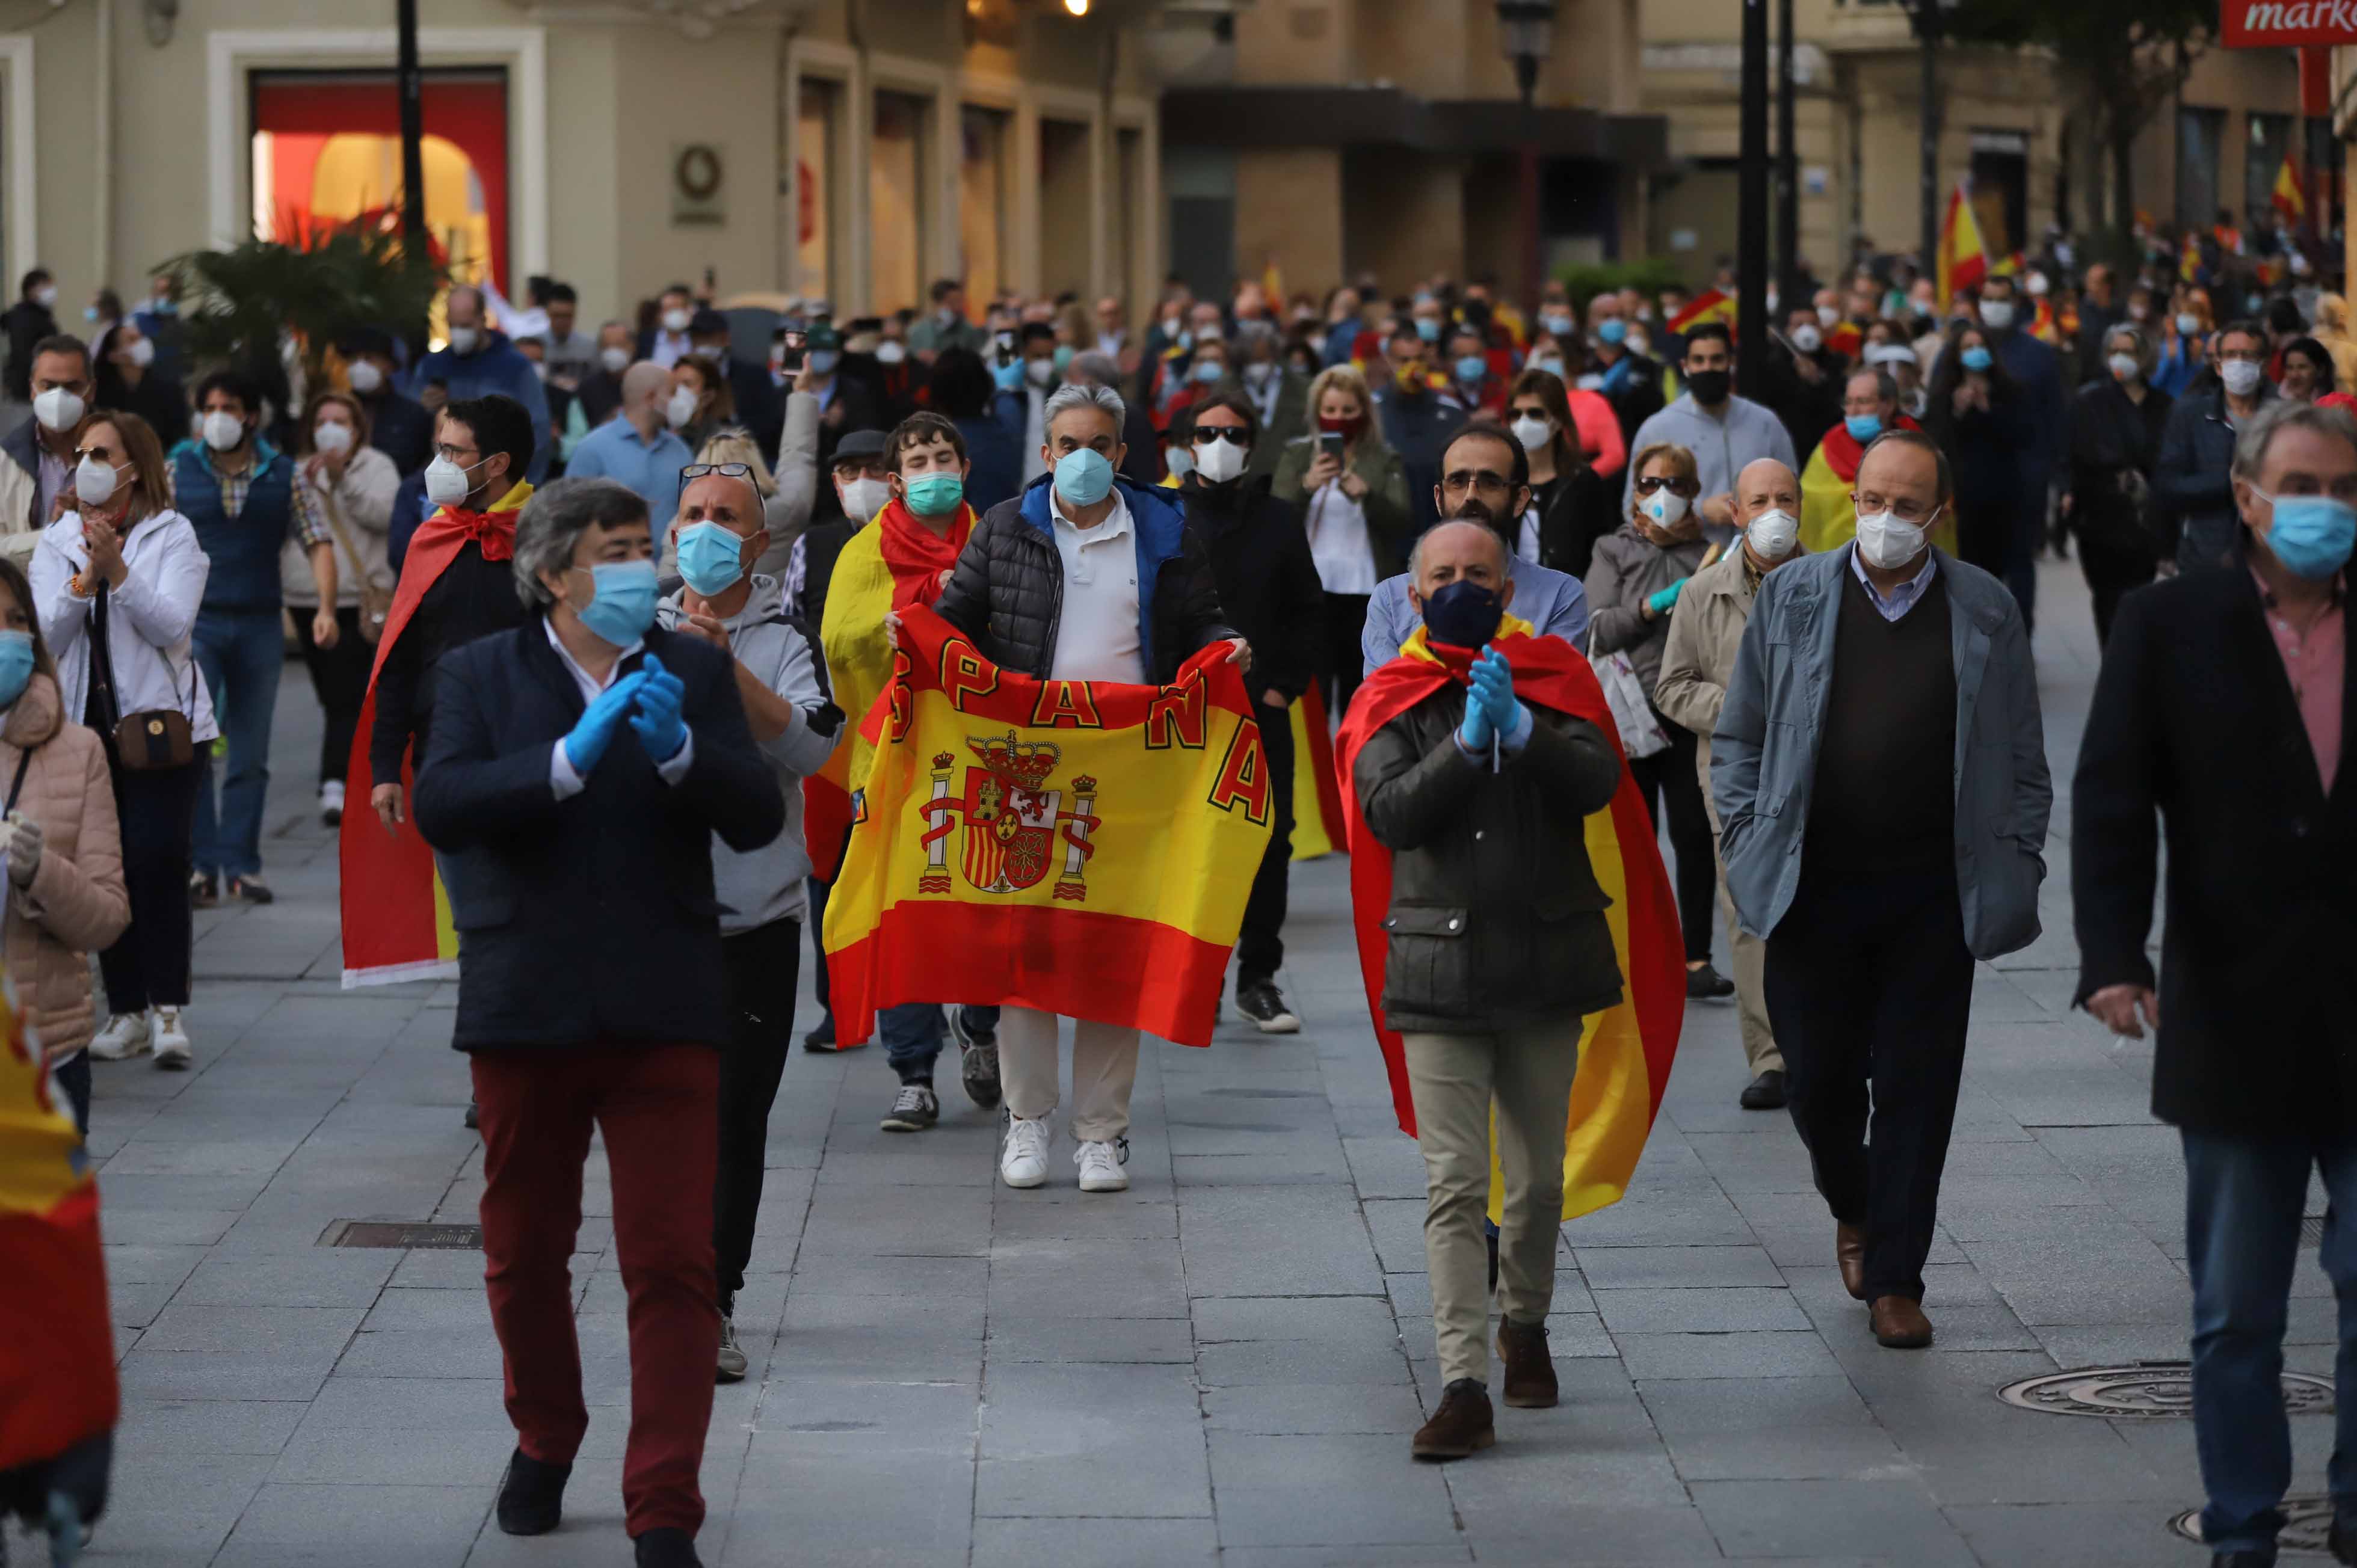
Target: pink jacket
76 901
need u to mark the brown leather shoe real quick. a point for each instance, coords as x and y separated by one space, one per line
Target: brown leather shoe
1849 1252
1460 1427
1530 1371
1899 1323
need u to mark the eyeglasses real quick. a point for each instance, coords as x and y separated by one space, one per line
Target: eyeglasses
1676 485
1233 434
725 470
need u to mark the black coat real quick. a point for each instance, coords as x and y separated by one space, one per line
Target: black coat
400 427
1268 582
2193 485
26 324
2111 435
590 920
1007 592
1583 507
2194 720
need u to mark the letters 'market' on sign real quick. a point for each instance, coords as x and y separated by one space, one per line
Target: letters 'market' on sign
2278 24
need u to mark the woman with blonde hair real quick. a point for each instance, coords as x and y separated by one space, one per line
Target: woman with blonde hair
1352 492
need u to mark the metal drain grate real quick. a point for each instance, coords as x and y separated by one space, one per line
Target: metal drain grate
2305 1522
2143 1390
2311 1230
403 1233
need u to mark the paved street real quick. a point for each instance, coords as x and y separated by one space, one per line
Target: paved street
1221 1365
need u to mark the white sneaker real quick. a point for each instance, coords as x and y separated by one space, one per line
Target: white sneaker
170 1040
1024 1163
331 801
1101 1163
125 1037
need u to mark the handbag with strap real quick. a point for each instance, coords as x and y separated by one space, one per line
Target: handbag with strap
152 738
376 604
1641 734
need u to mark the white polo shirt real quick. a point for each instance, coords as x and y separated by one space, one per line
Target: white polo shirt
1097 639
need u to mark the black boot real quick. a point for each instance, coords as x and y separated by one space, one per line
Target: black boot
532 1498
667 1547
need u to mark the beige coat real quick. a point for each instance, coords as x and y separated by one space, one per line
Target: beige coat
1705 631
76 901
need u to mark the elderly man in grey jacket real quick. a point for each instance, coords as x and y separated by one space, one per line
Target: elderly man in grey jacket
720 534
1880 778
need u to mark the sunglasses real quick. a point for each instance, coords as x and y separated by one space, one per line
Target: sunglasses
1233 434
1647 486
725 470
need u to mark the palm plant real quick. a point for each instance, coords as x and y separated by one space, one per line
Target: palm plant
239 305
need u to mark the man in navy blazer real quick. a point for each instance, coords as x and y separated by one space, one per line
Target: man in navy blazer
579 769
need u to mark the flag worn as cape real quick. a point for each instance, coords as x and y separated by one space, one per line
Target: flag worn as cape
1079 847
893 563
1828 517
57 1385
396 915
1316 805
1625 1052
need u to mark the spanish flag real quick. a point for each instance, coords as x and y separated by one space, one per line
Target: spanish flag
2189 257
396 915
58 1387
1964 261
1710 304
2288 198
1316 805
1625 1052
1082 848
1828 516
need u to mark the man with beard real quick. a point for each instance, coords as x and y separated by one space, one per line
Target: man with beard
1482 470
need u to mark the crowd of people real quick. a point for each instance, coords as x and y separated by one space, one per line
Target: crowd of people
589 607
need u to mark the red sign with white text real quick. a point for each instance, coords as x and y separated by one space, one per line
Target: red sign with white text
2281 23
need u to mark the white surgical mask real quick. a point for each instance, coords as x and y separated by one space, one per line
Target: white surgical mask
890 351
224 430
1532 432
615 361
45 296
2241 376
1773 534
140 353
463 338
1040 373
445 482
2038 285
1889 542
863 497
680 408
2188 324
1827 314
94 481
1219 461
332 436
1807 339
364 376
1997 314
1666 508
675 321
2125 367
1638 344
59 409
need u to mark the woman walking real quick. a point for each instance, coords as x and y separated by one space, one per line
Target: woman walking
351 485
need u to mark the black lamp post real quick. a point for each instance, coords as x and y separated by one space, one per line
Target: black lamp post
1526 36
1928 17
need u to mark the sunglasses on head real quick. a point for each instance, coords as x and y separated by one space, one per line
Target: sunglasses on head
1652 482
1233 434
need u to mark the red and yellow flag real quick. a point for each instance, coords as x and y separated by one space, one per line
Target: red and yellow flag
1710 304
2189 257
58 1385
1964 261
1317 826
1625 1052
1082 848
2287 198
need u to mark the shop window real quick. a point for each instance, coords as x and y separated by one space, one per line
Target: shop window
816 159
896 203
981 201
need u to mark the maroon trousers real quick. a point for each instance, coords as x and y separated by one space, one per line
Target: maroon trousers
657 1107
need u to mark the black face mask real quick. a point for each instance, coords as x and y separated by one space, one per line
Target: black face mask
1463 615
1709 387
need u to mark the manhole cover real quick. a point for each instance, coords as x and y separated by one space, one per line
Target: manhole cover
403 1233
2143 1390
2305 1522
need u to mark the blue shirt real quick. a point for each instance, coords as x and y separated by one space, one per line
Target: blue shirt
615 451
1903 597
1552 601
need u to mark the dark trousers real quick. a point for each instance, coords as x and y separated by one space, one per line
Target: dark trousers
763 965
818 892
73 1076
2244 1196
1668 781
1869 984
657 1107
148 964
1346 618
2111 571
1259 946
339 677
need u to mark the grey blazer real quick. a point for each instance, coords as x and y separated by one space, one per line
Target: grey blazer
1764 753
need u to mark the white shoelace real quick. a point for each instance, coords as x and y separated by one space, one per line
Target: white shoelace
912 1098
1026 1140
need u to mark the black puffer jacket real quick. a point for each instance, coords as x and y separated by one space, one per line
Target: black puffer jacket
1496 918
1007 592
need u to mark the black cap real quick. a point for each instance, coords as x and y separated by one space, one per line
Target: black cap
823 335
860 446
705 322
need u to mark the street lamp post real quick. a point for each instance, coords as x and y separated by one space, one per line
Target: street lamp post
1926 15
1526 36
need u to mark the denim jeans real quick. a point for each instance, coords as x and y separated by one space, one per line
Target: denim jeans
2243 1201
241 653
912 1034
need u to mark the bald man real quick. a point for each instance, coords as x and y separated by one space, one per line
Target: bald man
1696 665
637 445
479 361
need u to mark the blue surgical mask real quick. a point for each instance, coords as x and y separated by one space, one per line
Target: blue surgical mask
1472 367
1082 475
1863 427
1977 359
2311 535
1463 614
711 557
1613 330
1428 328
1208 370
16 665
622 604
1550 363
822 361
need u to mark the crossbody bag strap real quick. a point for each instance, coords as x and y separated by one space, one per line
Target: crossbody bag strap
17 787
343 540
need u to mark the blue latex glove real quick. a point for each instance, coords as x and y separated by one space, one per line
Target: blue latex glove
1475 733
594 729
1008 377
1493 689
1660 603
657 719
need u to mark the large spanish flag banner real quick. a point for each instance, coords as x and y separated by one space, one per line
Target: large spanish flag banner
1083 848
57 1350
1625 1052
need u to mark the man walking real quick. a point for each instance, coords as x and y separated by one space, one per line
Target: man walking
1696 665
1480 785
1882 794
2222 707
638 446
2193 481
482 362
1723 431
